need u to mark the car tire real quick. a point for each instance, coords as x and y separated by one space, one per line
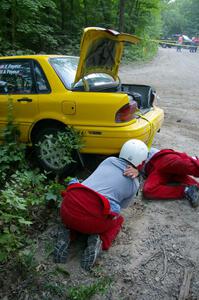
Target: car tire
48 157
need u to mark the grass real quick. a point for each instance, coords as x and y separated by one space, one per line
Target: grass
83 292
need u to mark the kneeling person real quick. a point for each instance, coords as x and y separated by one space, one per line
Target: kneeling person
93 207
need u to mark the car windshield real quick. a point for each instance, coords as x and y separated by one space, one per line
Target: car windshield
66 68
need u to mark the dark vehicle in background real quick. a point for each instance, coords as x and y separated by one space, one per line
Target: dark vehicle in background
166 42
169 41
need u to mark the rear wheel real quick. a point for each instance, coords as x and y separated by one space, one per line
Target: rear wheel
51 155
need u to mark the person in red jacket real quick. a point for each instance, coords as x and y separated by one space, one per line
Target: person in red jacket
168 175
93 206
180 43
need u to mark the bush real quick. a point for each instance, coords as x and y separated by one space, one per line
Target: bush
25 193
16 200
143 51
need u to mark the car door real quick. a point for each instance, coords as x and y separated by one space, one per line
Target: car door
18 96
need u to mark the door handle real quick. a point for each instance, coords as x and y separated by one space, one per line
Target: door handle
24 100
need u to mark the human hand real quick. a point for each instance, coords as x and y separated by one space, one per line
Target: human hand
131 172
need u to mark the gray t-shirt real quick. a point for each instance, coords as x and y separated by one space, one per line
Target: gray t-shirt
109 181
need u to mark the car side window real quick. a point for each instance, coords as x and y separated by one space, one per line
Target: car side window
16 77
41 81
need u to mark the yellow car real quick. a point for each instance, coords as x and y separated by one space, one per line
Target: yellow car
50 92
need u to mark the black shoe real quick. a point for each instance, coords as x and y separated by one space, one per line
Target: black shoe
91 252
192 194
62 245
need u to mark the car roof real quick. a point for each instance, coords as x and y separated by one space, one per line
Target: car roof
34 56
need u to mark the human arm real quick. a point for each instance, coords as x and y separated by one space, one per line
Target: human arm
130 171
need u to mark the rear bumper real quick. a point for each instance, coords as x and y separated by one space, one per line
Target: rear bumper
108 140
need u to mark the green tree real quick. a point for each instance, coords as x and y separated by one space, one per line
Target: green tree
180 16
28 24
56 25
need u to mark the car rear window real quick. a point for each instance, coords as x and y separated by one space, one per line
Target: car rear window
65 67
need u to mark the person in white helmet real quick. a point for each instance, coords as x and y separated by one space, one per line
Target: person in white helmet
93 207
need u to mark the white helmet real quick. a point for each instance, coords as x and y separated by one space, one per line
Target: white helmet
134 151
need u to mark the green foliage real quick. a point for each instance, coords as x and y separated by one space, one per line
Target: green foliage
11 133
12 153
55 288
26 263
25 193
22 199
180 17
53 193
62 271
143 51
83 292
189 11
17 200
24 18
64 143
11 157
56 26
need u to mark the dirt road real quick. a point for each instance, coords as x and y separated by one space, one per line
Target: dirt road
175 76
160 241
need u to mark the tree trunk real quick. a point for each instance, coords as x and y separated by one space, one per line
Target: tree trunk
13 22
62 12
132 13
121 15
71 16
85 12
104 11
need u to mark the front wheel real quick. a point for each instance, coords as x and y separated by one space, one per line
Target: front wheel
52 154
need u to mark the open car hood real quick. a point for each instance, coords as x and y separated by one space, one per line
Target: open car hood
101 51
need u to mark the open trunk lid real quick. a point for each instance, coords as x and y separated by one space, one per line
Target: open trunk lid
101 51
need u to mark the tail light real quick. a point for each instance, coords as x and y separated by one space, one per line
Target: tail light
126 112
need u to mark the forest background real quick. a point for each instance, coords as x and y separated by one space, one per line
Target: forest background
55 26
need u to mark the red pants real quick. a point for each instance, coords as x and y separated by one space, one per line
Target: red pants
88 212
168 172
